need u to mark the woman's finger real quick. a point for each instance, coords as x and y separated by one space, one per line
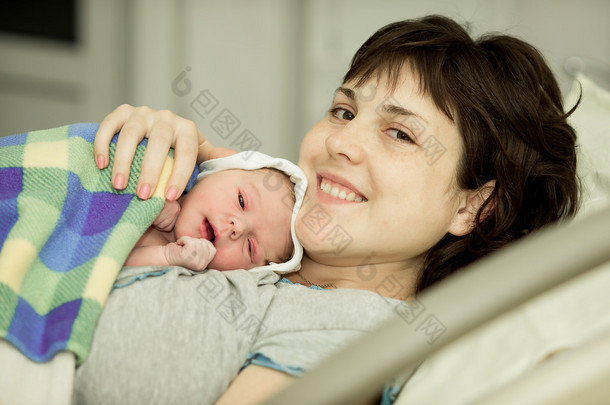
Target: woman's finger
159 142
205 150
185 158
109 126
131 134
219 152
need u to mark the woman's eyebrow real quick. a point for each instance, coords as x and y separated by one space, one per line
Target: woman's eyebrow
349 93
386 108
398 110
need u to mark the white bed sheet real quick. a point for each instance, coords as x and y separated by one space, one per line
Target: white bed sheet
25 382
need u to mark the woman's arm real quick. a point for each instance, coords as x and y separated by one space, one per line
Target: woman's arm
255 384
164 130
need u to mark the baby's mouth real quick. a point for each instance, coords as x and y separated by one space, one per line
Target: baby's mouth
206 230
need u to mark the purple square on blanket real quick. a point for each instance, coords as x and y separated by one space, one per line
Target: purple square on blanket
88 213
10 186
10 182
105 210
86 220
39 334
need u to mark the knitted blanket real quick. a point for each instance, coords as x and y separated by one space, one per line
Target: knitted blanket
64 235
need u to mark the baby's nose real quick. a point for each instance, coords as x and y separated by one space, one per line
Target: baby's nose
238 227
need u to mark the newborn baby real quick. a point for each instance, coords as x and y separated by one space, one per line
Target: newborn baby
237 216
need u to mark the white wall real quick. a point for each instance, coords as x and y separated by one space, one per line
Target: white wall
245 54
559 28
44 83
271 64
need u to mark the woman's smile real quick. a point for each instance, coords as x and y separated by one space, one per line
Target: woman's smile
339 189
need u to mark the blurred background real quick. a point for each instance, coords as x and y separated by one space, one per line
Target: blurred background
251 74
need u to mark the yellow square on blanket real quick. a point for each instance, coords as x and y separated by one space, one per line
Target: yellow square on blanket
16 256
101 279
168 166
46 154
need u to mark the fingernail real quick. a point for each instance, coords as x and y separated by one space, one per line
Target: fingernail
119 182
101 162
143 191
171 193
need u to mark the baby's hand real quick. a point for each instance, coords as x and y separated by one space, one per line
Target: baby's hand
192 253
167 218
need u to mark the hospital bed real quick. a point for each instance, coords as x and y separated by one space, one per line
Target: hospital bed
467 351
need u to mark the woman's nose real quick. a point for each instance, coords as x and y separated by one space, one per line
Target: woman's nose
346 143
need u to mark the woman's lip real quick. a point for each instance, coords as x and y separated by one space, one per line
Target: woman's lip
339 180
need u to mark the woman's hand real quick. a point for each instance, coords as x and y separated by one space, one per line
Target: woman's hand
164 130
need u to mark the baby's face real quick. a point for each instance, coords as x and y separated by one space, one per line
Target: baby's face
244 213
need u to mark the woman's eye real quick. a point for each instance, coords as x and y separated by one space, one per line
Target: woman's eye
241 201
400 135
342 114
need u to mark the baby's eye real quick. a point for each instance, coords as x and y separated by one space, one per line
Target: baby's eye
342 114
250 251
241 200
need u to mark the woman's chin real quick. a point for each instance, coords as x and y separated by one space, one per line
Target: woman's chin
330 241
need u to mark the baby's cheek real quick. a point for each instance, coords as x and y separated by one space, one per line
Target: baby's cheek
179 228
227 259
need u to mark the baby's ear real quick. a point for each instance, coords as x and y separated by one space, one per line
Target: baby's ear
465 219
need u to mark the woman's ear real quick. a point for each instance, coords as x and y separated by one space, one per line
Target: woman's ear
464 220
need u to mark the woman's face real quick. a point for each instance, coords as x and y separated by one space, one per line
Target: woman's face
381 168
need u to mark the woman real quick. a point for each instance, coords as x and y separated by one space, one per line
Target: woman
436 150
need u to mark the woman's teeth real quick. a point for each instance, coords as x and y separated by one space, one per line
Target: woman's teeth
340 194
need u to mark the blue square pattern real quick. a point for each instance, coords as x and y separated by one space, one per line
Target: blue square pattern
40 336
86 221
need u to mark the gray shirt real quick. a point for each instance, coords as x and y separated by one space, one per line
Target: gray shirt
173 336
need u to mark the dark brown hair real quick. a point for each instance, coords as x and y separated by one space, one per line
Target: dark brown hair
507 106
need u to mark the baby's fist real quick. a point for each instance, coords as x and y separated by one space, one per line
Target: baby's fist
192 253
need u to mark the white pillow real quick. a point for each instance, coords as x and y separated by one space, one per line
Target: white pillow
591 120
